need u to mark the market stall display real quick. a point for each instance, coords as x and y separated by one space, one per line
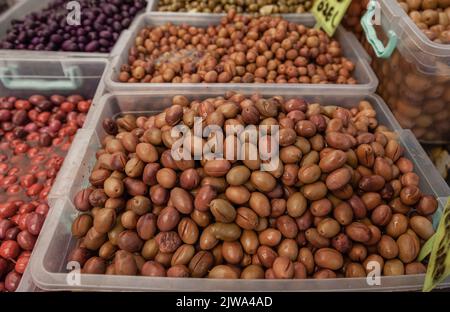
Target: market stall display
93 197
263 7
236 52
113 141
39 117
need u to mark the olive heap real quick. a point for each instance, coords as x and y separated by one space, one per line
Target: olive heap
431 16
263 7
99 27
35 135
241 49
342 196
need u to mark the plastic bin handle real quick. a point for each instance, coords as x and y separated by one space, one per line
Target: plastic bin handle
366 21
72 81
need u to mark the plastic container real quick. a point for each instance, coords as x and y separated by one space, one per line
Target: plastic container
22 78
24 7
367 81
153 7
48 265
415 79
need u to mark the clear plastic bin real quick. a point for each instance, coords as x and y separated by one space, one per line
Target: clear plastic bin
23 78
415 79
366 79
24 7
153 7
48 265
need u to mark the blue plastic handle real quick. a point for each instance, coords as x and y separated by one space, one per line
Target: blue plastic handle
10 78
366 21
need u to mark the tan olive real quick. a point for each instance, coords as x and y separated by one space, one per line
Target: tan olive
246 218
249 241
223 272
309 174
296 205
252 271
317 240
354 269
393 267
328 258
238 195
150 249
222 210
263 181
260 204
397 225
306 257
408 248
104 220
146 152
387 247
328 228
232 252
422 226
113 187
188 231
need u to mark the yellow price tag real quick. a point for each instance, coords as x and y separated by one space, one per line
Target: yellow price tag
329 13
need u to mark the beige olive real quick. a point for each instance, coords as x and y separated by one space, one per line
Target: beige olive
296 205
222 210
393 267
422 226
328 227
329 258
223 272
263 181
387 247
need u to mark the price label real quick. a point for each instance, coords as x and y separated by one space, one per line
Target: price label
329 13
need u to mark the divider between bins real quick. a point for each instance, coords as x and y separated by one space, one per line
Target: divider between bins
120 44
151 6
